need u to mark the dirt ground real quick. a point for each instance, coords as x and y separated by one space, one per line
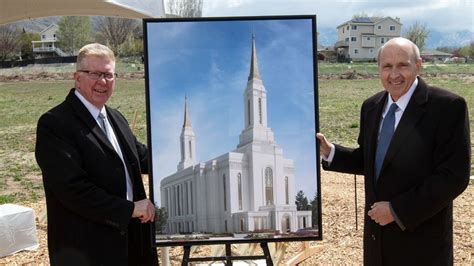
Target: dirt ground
341 244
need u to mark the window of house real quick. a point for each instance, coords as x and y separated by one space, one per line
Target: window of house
287 198
353 39
354 27
368 38
342 30
43 36
260 110
356 51
392 28
382 40
269 186
347 39
379 27
347 27
371 51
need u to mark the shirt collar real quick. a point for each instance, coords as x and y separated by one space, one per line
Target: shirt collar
93 110
404 99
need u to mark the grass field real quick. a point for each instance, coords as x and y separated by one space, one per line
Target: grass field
21 104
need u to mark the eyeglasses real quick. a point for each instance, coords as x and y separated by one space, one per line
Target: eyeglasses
97 75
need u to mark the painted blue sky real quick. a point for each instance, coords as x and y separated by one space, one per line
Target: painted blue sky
209 63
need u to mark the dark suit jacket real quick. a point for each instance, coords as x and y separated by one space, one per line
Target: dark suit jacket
426 166
89 218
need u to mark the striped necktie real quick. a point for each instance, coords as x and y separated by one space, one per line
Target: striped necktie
101 119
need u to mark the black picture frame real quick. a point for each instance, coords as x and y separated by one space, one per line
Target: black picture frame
204 80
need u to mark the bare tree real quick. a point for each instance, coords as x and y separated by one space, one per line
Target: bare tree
114 32
418 33
9 41
185 8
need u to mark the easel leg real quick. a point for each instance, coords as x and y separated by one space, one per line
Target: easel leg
266 252
187 252
228 253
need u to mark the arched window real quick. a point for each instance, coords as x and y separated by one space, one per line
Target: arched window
260 110
225 193
287 196
239 181
268 186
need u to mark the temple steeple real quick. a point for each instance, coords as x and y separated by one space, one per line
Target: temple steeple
255 106
254 73
188 141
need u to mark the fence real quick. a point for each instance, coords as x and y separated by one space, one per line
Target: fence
41 61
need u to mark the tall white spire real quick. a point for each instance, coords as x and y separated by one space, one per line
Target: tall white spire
254 73
255 105
188 141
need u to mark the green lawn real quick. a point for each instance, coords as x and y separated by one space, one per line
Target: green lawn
21 104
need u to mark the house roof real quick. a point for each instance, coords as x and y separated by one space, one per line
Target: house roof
434 53
367 21
49 27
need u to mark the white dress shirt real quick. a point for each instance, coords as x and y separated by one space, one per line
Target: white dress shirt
94 111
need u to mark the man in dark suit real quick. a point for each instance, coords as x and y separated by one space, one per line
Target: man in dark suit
415 157
98 213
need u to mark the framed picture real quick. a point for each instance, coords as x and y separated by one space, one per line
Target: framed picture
232 111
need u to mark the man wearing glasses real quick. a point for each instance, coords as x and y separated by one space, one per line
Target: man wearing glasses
98 213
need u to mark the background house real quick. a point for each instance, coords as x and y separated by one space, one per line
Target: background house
46 47
434 55
360 38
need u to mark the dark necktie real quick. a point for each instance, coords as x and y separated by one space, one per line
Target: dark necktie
385 136
101 118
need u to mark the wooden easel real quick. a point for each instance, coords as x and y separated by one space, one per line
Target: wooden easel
306 252
229 257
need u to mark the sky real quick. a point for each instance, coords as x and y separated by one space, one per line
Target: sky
440 15
208 62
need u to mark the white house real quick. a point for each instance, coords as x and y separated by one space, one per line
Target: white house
46 47
249 188
361 38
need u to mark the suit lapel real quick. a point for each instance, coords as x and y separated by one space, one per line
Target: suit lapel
86 117
374 115
412 114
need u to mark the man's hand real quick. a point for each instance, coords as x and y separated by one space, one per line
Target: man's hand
380 213
144 210
324 145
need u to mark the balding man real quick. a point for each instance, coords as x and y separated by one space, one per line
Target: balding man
414 151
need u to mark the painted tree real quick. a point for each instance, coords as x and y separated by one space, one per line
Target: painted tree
301 201
161 218
73 33
417 33
314 209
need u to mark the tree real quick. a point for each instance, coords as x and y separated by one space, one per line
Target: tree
467 51
185 8
26 49
161 218
115 32
73 33
301 202
9 40
314 209
418 33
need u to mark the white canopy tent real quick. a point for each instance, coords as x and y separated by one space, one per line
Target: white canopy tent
16 10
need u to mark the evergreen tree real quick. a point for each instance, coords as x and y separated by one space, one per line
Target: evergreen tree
314 210
302 203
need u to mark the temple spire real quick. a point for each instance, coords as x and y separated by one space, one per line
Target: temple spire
187 121
254 73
